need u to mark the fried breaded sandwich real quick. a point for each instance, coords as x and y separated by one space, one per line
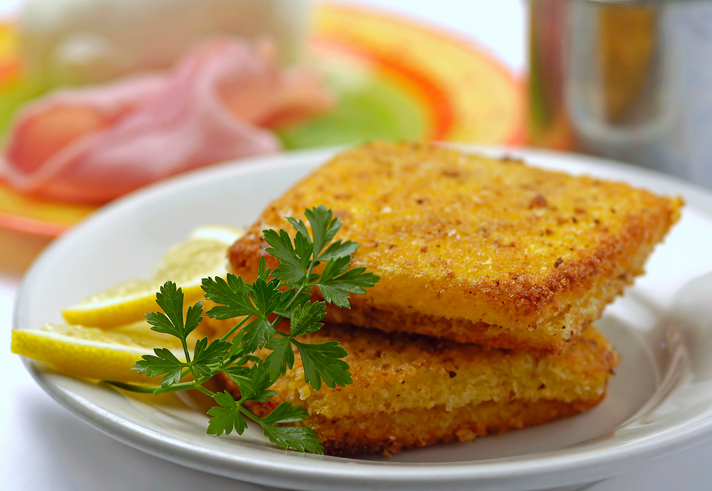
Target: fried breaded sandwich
413 391
472 249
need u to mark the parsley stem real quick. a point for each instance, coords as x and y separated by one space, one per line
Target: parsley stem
205 391
185 350
187 358
237 349
237 326
248 413
193 384
305 284
145 389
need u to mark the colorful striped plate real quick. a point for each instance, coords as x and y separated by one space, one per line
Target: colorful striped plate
394 78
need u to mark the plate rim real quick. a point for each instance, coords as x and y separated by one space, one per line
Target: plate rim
530 470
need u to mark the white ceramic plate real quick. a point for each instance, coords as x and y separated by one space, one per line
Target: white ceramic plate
659 402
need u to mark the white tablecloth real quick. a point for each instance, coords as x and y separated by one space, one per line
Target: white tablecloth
43 446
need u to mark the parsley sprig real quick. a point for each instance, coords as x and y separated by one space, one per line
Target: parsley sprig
275 295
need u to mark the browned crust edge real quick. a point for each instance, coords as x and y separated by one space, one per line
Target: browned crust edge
609 271
376 433
622 254
421 428
457 330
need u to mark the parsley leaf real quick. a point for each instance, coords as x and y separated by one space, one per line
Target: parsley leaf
252 352
256 334
304 319
233 297
252 382
337 280
323 226
289 298
290 265
206 354
300 438
285 413
339 249
265 296
237 350
193 318
163 363
323 362
334 295
225 416
281 357
170 321
170 299
299 226
303 246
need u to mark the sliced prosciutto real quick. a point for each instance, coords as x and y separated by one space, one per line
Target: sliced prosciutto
95 144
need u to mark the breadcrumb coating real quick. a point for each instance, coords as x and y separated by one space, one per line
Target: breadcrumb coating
474 249
413 390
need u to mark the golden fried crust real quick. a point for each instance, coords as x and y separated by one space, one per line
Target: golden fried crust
424 427
535 254
408 382
459 330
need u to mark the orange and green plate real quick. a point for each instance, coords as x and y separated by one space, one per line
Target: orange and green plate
394 78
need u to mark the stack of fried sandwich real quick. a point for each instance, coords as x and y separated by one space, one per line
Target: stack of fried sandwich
492 273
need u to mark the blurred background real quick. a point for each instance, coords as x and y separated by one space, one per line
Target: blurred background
101 97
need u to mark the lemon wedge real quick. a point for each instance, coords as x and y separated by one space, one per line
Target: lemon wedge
186 263
93 353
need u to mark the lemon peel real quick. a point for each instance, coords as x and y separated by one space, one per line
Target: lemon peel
93 353
186 263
